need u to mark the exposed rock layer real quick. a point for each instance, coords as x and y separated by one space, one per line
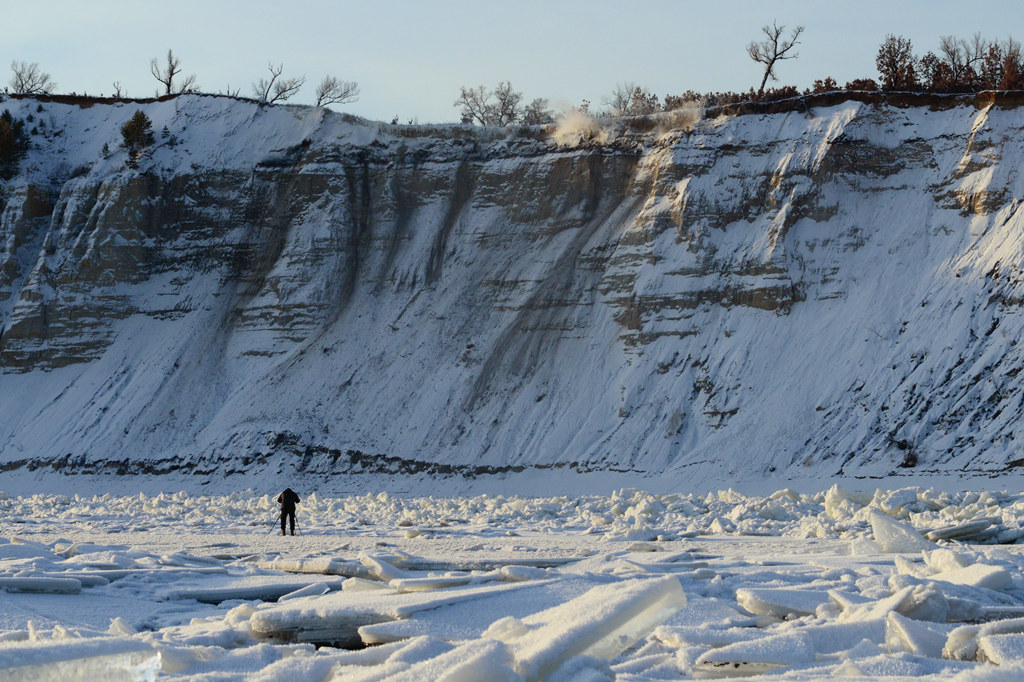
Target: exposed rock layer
827 285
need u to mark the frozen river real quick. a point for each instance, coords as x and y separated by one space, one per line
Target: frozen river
904 584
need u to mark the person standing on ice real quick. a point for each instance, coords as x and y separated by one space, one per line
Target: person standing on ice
288 499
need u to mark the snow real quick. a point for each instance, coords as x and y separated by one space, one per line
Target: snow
759 300
78 659
511 588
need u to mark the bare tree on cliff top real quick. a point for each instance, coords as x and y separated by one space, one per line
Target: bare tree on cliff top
27 79
275 88
498 107
773 49
334 91
166 74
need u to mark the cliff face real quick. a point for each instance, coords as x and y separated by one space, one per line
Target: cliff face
835 289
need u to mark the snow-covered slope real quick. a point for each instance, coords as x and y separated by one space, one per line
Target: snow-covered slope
832 288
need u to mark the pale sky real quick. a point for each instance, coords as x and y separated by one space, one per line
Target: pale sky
411 56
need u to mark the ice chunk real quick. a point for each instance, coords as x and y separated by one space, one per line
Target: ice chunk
478 660
846 600
469 619
978 575
914 637
522 573
336 617
925 602
397 655
842 505
119 626
892 501
918 601
1002 649
90 548
790 648
100 658
381 569
705 636
269 591
435 583
864 547
26 549
877 610
602 623
314 590
362 584
964 530
50 585
86 578
962 643
322 565
781 602
755 657
907 566
895 537
942 559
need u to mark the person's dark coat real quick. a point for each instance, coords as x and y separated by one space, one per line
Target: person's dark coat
288 499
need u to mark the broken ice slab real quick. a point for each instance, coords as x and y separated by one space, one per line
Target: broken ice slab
963 531
35 584
436 582
469 619
100 658
382 569
268 591
677 637
336 617
504 574
17 548
773 652
415 563
754 657
894 537
312 590
104 576
397 655
707 613
602 623
985 614
962 643
977 575
1009 536
357 584
86 578
919 601
320 565
1006 649
781 602
914 636
477 660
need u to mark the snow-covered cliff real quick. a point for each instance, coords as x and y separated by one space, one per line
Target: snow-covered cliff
835 287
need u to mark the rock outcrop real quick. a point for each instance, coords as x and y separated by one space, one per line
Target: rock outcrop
828 287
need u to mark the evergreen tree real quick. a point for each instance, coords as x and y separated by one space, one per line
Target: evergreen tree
138 135
13 143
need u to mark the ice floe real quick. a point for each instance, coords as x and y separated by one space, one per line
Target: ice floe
633 586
